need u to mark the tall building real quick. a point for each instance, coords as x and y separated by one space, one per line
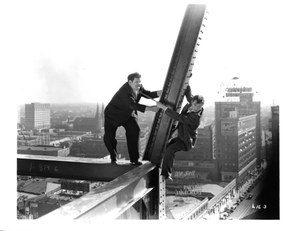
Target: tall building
37 116
236 148
98 120
275 131
43 150
238 132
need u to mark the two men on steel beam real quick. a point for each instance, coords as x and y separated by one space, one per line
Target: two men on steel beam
122 111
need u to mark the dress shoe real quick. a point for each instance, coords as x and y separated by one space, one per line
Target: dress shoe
170 178
114 162
167 177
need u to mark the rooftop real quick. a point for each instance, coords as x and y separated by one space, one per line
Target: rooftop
38 148
37 187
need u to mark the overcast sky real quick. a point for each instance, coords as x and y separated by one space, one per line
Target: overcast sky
82 51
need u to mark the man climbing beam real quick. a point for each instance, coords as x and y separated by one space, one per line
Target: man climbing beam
184 135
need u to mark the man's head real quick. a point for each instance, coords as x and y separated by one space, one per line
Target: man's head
197 103
134 81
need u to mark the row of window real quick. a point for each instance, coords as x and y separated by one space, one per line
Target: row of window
226 156
230 164
247 148
249 152
247 134
243 162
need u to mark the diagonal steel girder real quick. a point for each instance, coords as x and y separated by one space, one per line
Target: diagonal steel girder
70 167
177 78
114 198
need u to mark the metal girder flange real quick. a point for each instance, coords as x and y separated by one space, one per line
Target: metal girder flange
110 200
70 167
177 78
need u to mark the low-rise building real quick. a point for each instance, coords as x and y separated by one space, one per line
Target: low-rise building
43 150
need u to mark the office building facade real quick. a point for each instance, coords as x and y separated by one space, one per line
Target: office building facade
243 108
236 148
37 116
238 134
275 130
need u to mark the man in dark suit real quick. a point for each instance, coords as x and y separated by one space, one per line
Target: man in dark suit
122 111
185 133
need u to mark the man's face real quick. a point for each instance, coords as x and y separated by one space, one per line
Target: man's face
135 84
196 106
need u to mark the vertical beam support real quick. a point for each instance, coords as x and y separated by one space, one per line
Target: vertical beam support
178 75
162 198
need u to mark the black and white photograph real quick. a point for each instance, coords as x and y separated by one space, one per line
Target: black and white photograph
121 111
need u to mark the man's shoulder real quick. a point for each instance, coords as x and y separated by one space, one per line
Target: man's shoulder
125 87
195 115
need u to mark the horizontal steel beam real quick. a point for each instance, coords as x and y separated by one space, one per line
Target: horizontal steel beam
110 200
71 167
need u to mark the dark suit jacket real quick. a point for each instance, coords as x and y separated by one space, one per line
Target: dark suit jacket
124 102
188 123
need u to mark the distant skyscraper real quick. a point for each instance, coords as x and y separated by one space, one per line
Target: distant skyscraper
37 116
275 132
236 117
102 114
98 120
236 147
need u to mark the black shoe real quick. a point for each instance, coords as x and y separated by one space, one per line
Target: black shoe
114 162
170 178
167 177
136 163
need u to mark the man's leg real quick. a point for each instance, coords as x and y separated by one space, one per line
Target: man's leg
173 146
132 135
110 139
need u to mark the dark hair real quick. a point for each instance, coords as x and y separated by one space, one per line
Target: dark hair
133 76
198 98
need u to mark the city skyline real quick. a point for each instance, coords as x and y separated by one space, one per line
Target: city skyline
86 55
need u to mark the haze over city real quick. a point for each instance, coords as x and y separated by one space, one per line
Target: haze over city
66 51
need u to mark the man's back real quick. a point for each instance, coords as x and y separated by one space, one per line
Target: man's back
118 110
